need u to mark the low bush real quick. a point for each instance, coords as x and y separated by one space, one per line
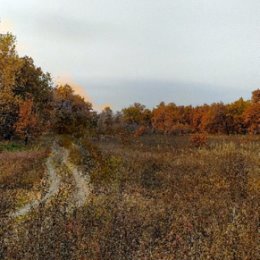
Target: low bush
198 140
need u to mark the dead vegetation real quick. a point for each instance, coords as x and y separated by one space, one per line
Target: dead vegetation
172 202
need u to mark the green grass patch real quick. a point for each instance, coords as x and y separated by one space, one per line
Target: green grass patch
12 147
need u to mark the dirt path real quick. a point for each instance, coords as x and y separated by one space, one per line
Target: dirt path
82 185
54 181
54 162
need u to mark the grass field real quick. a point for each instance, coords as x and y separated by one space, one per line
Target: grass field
155 197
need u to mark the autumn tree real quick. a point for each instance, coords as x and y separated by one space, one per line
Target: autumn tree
21 81
28 123
182 124
32 81
252 114
185 113
105 120
171 119
9 62
71 113
252 118
214 120
33 84
234 116
256 96
162 118
8 115
9 66
119 123
197 117
136 115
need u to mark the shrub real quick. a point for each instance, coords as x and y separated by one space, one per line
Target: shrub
198 140
140 131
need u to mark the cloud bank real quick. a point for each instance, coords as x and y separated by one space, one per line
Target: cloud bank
194 51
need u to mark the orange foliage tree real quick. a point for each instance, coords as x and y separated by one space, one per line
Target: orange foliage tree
27 123
171 118
252 114
214 120
197 116
252 118
256 96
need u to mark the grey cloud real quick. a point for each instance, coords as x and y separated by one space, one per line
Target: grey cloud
60 26
176 42
121 93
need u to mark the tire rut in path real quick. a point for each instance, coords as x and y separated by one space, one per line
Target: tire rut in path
82 187
54 180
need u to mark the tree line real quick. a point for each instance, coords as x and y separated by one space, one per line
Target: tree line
31 105
239 117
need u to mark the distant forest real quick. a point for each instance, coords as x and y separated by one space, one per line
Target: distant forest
30 105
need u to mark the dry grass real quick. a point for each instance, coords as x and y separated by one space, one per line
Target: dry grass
21 169
21 173
154 199
186 203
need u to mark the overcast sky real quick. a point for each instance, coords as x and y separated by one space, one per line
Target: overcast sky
122 51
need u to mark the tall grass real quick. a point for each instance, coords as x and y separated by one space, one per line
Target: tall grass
174 201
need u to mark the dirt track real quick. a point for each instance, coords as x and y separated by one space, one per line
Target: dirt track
59 158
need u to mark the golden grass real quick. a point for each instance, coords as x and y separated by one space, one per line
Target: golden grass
148 202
